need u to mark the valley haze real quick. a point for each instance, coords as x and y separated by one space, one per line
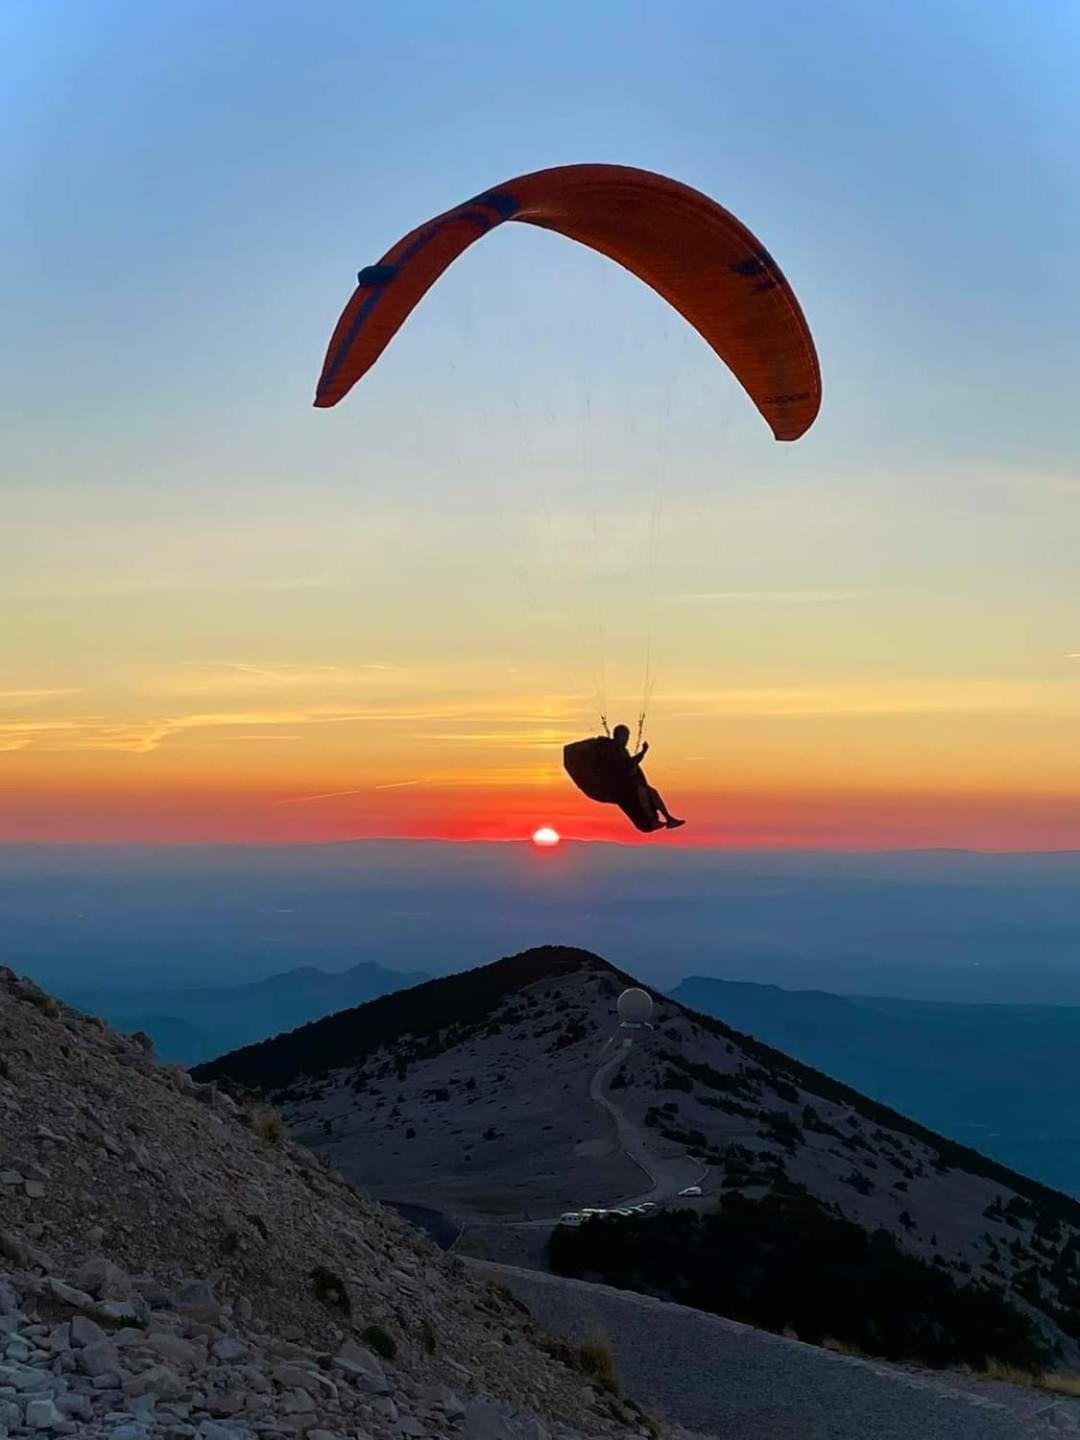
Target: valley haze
943 925
211 948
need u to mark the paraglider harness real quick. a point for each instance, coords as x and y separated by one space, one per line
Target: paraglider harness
600 771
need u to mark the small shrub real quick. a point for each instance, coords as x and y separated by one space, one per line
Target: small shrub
859 1182
330 1290
267 1124
379 1340
597 1362
45 1003
427 1335
111 1325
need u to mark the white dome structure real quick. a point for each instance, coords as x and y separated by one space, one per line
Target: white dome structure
635 1007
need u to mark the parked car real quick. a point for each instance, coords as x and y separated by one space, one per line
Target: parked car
571 1219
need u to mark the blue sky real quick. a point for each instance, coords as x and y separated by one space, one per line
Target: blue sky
193 187
207 178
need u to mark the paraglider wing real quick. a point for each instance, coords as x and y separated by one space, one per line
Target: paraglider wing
693 252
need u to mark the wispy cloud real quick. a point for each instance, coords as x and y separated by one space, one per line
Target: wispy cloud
16 698
501 739
104 586
36 735
267 737
845 699
224 677
321 795
342 794
141 736
286 672
783 597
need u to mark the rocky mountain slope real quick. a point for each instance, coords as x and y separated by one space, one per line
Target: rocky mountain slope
172 1267
473 1092
1002 1077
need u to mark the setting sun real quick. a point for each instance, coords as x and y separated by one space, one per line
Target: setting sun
545 836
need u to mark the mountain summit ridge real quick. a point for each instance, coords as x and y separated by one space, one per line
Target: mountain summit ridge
474 1093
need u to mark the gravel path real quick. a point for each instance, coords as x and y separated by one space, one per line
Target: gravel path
748 1384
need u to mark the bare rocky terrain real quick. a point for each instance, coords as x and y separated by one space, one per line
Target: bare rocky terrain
175 1268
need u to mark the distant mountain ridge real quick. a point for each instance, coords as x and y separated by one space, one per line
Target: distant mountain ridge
999 1077
191 1026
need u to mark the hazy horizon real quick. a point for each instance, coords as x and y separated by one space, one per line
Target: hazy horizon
944 925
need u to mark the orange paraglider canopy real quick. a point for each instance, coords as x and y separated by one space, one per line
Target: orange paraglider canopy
693 252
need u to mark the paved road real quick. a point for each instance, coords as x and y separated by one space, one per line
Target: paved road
722 1379
667 1175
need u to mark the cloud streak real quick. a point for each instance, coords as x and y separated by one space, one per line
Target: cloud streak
846 699
15 698
146 735
342 794
782 597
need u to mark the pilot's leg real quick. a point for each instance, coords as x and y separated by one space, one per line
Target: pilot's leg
657 801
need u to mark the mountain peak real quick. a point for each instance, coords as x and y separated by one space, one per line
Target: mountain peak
512 1088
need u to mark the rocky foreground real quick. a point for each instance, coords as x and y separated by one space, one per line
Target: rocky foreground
172 1267
179 1366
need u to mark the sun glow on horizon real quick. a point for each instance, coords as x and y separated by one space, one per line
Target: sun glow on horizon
546 837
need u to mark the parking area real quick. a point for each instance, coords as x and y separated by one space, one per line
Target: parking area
574 1218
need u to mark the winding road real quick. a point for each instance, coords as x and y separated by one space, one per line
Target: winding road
719 1378
668 1174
